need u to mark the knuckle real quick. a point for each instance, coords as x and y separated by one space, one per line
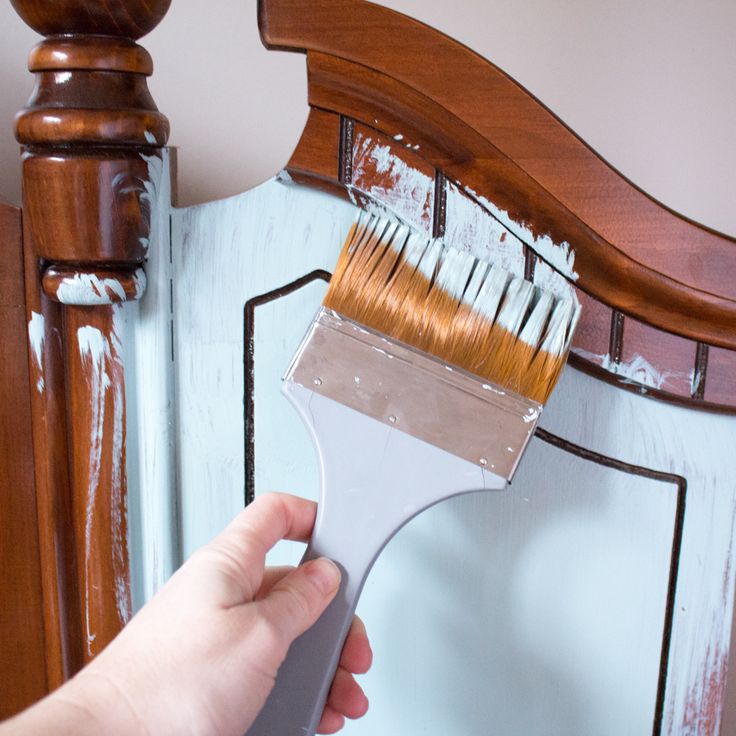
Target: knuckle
231 560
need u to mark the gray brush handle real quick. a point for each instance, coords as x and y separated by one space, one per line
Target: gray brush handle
295 705
374 479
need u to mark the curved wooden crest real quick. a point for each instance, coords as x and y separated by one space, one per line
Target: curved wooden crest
447 112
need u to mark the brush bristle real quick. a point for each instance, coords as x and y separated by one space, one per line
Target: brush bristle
450 304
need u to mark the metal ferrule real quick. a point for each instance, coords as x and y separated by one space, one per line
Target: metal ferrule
414 392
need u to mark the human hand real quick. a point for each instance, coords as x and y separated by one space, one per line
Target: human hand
202 656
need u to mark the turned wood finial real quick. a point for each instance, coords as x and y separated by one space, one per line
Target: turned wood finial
87 125
125 18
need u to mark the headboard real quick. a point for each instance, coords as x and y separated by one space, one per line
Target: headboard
471 129
143 321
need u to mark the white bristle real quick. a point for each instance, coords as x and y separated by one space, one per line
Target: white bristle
480 272
400 238
430 258
490 293
455 271
572 324
416 245
556 336
364 234
515 305
532 331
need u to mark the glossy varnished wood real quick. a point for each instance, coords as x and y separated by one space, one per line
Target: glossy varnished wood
126 18
22 651
517 154
89 131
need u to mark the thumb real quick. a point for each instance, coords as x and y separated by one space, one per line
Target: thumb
297 600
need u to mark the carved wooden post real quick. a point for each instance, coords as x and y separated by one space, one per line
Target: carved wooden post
86 215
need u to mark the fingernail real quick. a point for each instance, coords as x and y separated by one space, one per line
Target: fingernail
324 574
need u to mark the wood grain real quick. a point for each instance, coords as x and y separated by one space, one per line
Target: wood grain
22 651
522 129
131 18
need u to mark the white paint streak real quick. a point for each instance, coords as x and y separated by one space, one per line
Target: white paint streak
407 190
149 196
139 282
36 335
545 277
87 289
94 350
469 227
637 370
559 255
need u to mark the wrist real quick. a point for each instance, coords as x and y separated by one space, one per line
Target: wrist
88 705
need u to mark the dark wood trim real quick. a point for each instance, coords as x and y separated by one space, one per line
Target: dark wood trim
530 262
616 340
622 382
700 371
22 638
345 151
439 205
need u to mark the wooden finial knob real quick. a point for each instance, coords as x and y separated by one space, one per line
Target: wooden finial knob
125 18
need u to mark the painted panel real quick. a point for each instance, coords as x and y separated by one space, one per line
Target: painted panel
150 413
520 591
539 601
263 240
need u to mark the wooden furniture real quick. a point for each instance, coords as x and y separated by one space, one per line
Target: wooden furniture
86 215
140 453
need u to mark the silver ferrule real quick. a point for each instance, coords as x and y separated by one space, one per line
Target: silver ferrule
414 392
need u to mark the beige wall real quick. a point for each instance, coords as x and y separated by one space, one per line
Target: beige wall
648 83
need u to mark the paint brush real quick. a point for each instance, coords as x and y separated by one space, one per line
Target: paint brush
421 377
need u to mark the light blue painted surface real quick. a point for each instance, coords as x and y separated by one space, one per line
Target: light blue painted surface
534 612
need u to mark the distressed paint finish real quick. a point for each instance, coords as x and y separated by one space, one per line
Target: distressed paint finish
470 226
504 618
94 360
560 255
309 228
150 409
98 288
396 178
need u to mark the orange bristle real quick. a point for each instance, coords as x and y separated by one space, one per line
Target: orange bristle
447 303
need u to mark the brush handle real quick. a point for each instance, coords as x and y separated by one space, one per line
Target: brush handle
302 686
375 478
